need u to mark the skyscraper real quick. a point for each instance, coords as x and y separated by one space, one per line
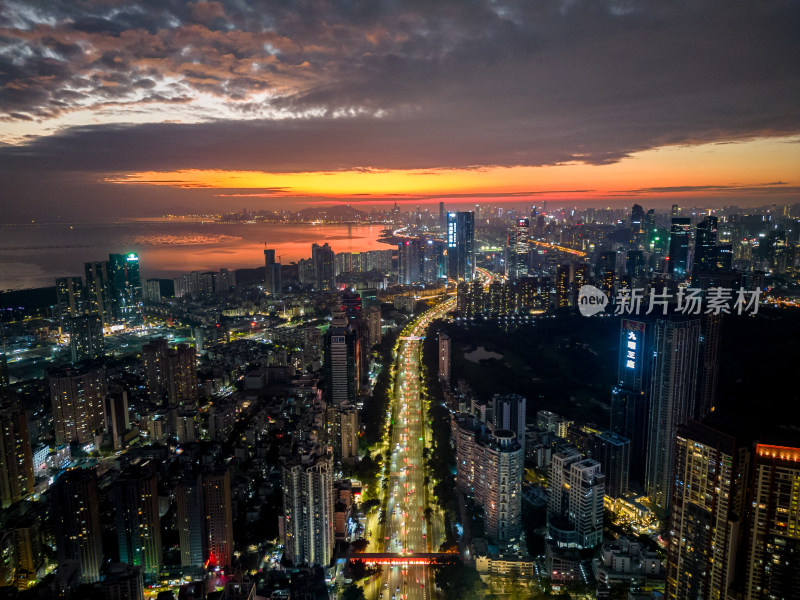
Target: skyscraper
322 260
16 459
517 250
190 513
672 399
575 500
138 521
99 299
76 521
219 516
705 250
773 559
342 361
171 372
499 464
709 500
272 272
679 248
77 398
348 434
115 416
126 286
308 509
85 338
408 266
613 452
637 226
70 297
460 242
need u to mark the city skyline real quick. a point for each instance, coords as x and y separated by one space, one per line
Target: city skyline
121 111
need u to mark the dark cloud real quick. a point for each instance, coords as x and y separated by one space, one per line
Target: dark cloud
413 84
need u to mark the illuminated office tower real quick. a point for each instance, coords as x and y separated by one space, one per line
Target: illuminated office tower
70 297
676 345
322 261
517 250
706 514
126 286
219 516
138 523
637 226
705 246
16 458
773 552
460 246
630 398
191 520
650 230
85 338
76 521
99 300
77 398
308 509
679 247
433 261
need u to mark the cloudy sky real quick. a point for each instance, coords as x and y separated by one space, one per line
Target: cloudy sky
122 107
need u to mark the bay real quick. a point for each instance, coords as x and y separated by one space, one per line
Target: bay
35 255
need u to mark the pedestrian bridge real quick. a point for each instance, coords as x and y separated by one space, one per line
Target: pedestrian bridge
421 558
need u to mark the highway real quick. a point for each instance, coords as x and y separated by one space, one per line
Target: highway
406 531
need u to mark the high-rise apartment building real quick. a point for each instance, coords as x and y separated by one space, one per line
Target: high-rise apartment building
77 398
569 279
16 458
138 521
508 412
637 226
773 552
348 434
444 357
75 515
322 260
272 272
70 297
171 372
575 500
219 516
99 299
500 461
408 266
613 452
308 514
460 246
676 343
190 513
86 340
116 416
709 500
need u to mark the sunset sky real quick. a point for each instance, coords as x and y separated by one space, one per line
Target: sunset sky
137 108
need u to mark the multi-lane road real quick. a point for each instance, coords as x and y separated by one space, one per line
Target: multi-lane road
406 530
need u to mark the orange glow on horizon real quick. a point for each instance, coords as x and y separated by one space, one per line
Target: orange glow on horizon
756 168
